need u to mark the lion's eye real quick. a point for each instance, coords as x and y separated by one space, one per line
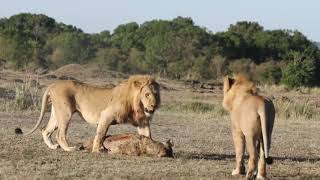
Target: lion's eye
147 94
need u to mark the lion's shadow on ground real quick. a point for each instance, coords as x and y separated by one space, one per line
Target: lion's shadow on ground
224 157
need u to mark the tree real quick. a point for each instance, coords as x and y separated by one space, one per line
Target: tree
110 58
176 48
124 36
299 72
136 62
241 66
158 52
101 40
71 47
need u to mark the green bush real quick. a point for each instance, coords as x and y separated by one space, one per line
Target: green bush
299 72
268 72
109 57
241 66
67 48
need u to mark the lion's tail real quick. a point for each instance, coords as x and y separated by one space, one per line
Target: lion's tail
44 103
267 115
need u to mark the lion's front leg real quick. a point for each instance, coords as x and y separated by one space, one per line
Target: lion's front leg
102 129
144 130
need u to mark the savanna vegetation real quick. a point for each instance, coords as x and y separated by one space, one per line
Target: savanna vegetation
174 48
191 114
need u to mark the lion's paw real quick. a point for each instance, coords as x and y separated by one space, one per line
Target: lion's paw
70 149
259 177
54 146
239 171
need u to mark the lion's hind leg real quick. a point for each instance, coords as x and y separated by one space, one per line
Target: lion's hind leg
48 131
253 156
63 116
239 144
262 164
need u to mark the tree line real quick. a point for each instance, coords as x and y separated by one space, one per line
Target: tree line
174 48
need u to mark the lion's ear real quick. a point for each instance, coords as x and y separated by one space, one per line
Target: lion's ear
137 84
227 83
254 89
168 143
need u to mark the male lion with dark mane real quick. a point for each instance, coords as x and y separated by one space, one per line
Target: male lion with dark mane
133 101
252 118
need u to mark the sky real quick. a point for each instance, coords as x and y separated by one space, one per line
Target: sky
216 15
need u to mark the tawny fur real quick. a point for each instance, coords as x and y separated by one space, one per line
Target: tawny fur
132 145
252 118
132 101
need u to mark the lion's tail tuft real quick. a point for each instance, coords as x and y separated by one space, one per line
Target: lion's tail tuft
18 131
269 160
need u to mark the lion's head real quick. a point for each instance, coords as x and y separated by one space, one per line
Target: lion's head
147 97
236 87
158 149
166 151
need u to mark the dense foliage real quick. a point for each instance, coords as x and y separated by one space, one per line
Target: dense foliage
175 48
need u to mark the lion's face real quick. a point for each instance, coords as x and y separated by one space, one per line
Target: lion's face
166 151
150 98
147 98
159 149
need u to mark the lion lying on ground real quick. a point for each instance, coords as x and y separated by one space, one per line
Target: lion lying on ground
133 101
252 118
132 145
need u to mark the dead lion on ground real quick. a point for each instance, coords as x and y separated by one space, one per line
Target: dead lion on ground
252 119
132 145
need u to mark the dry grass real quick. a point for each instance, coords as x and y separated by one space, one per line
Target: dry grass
290 109
25 96
301 103
195 122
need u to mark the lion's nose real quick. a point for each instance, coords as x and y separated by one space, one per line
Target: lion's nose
149 110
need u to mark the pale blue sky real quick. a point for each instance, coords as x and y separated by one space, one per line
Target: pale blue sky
97 15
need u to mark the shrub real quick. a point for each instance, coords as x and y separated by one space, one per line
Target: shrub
109 57
286 108
241 66
299 72
219 64
201 69
268 72
26 96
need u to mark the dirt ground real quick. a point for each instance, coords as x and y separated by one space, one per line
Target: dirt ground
203 146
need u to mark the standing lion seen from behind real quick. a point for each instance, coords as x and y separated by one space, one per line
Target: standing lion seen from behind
252 119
